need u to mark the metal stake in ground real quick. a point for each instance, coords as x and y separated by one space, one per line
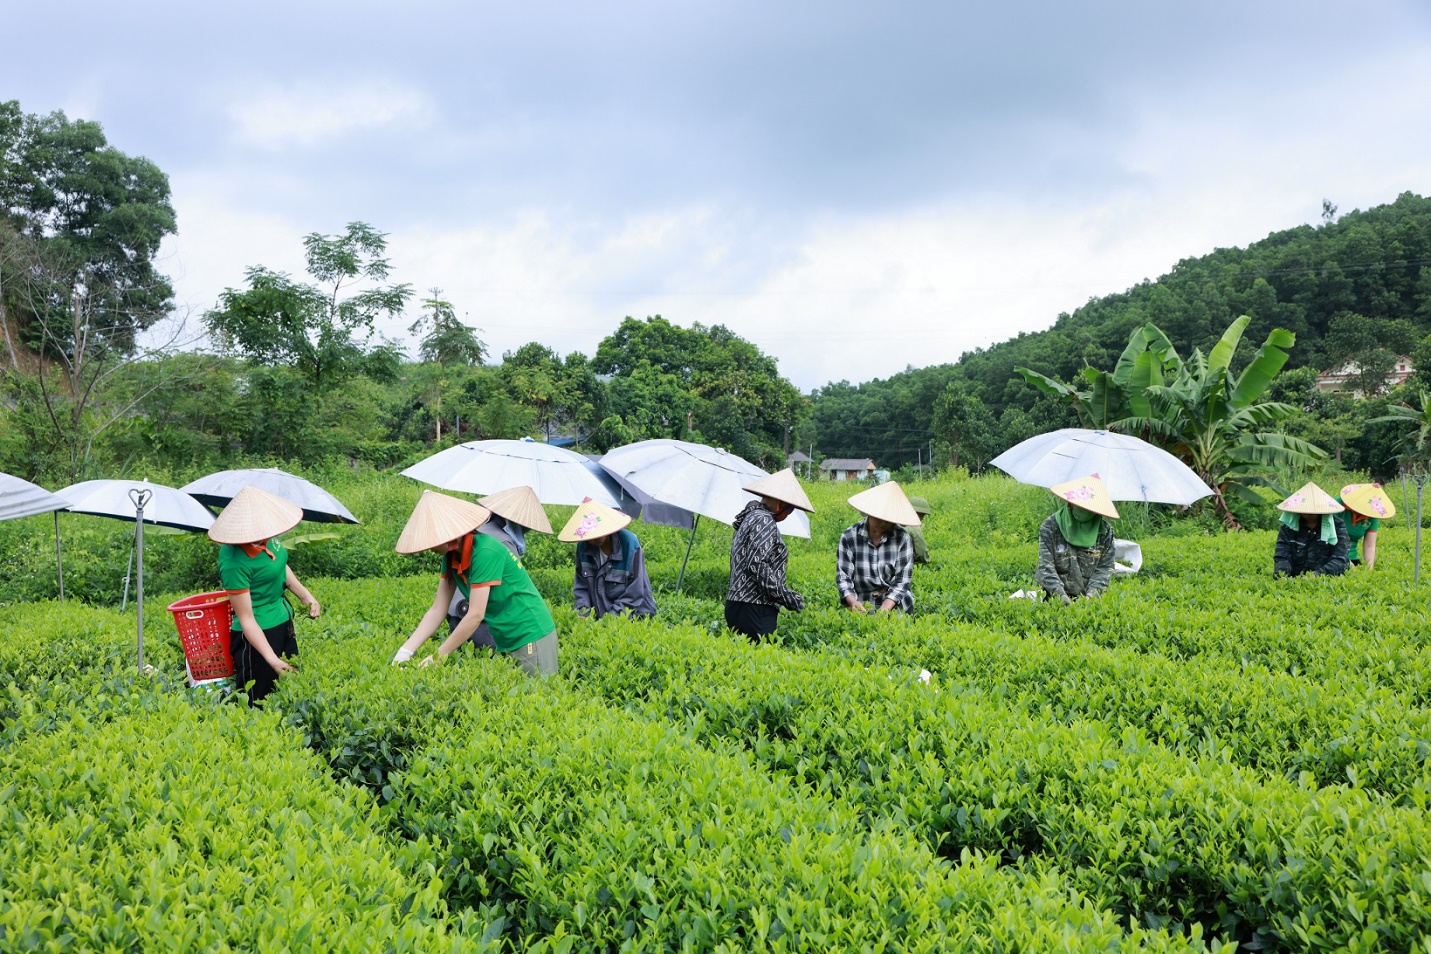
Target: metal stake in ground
140 498
1404 507
692 542
1419 476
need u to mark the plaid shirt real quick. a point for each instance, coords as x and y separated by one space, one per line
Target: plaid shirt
757 561
868 571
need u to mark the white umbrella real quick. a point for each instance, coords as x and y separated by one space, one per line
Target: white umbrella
708 481
20 498
318 505
637 504
1131 468
166 507
557 475
141 502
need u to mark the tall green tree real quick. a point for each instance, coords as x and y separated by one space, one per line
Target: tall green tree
734 395
446 340
564 396
317 329
80 225
99 215
964 429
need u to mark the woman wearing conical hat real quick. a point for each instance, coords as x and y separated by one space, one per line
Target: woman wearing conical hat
874 565
1366 506
491 584
1075 543
1311 538
514 511
610 564
758 557
254 570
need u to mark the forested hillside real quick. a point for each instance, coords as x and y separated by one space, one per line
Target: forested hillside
1354 287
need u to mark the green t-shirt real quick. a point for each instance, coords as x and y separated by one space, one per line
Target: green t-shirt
1357 530
263 576
516 612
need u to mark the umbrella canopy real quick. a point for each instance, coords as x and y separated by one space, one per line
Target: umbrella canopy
1131 468
557 476
20 498
705 480
636 503
168 507
318 505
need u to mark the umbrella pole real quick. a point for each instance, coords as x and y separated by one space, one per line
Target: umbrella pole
140 498
59 560
682 575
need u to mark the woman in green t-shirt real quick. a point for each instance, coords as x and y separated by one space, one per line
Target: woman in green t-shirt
490 582
1367 505
253 569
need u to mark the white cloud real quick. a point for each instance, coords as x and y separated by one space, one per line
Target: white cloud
307 112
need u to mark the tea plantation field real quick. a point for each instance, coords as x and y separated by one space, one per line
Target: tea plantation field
1204 759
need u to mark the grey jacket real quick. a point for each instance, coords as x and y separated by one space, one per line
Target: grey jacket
1067 570
613 584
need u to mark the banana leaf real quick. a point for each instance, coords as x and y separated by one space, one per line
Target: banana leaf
1264 367
1147 372
1221 356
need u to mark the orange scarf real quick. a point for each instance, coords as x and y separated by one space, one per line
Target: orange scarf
460 565
254 549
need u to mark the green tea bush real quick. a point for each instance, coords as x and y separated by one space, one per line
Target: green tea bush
175 827
1355 733
616 834
1163 838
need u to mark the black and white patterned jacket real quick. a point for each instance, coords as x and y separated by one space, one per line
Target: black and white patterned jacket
757 561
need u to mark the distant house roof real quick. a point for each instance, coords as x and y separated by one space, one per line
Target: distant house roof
847 463
797 458
1335 378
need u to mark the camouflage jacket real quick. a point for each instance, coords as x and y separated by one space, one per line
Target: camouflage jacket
1067 570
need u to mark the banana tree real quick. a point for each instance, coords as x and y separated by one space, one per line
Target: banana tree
1108 397
1214 419
1417 440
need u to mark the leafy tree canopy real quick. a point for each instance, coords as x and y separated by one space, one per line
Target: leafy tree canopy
94 214
445 340
697 383
317 330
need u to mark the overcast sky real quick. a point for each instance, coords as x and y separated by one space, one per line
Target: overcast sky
855 187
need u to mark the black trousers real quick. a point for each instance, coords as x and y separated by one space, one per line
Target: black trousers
755 620
249 666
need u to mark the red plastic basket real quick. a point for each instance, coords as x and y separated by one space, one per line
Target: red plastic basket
203 622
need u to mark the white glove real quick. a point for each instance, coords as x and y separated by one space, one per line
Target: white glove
402 655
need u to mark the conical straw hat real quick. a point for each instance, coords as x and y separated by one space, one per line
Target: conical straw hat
519 505
1310 499
1087 493
886 502
921 506
592 521
438 518
784 486
254 515
1369 500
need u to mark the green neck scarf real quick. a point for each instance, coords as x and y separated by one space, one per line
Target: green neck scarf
1329 525
1079 527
